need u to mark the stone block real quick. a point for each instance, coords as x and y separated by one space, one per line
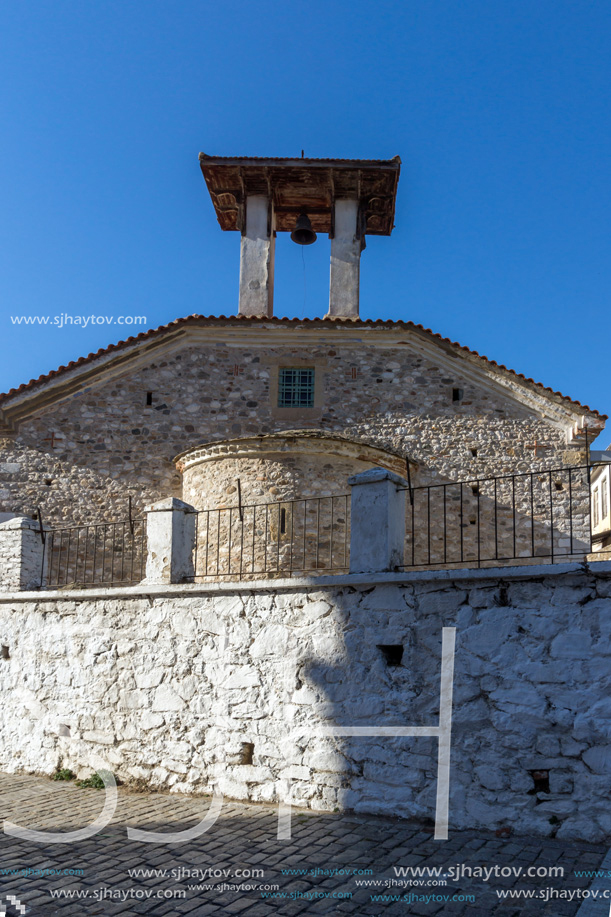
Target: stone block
573 645
133 700
148 720
99 738
492 777
529 594
560 782
603 587
571 748
544 673
444 603
486 639
582 827
482 814
271 641
598 759
249 773
572 594
549 746
167 700
325 761
483 597
149 679
232 788
521 698
313 611
173 766
394 776
297 772
242 677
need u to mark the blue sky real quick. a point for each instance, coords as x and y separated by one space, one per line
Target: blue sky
500 113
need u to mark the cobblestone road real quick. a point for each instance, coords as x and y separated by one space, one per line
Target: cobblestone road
245 838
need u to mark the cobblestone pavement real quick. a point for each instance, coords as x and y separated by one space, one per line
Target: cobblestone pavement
245 838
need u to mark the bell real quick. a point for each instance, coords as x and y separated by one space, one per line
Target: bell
303 234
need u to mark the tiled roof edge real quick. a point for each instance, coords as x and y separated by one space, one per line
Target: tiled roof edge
205 158
370 323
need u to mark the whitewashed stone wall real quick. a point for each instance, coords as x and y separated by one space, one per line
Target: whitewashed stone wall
171 685
21 554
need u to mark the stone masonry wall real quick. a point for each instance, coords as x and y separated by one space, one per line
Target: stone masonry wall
81 458
190 687
212 485
307 534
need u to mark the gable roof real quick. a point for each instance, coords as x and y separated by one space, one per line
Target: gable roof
122 351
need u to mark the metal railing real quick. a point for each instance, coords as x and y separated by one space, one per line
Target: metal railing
535 516
309 535
96 554
530 517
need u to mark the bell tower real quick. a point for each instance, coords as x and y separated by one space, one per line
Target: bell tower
344 198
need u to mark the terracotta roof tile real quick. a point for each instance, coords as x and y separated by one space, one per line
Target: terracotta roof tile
240 319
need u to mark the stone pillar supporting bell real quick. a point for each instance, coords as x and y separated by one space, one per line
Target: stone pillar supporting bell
257 258
346 247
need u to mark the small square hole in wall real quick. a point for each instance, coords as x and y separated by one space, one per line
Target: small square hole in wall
64 731
246 752
558 485
475 489
457 394
4 653
149 398
474 453
540 782
393 654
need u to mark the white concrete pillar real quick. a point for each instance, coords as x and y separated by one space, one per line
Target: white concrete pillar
21 555
170 541
377 521
345 262
257 258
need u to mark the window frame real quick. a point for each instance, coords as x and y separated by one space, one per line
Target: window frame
302 415
297 387
595 506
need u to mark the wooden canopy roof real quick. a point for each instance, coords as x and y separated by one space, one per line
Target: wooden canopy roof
303 186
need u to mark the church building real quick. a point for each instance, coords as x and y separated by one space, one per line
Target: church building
333 563
290 407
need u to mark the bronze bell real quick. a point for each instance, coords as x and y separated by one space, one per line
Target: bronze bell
303 234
